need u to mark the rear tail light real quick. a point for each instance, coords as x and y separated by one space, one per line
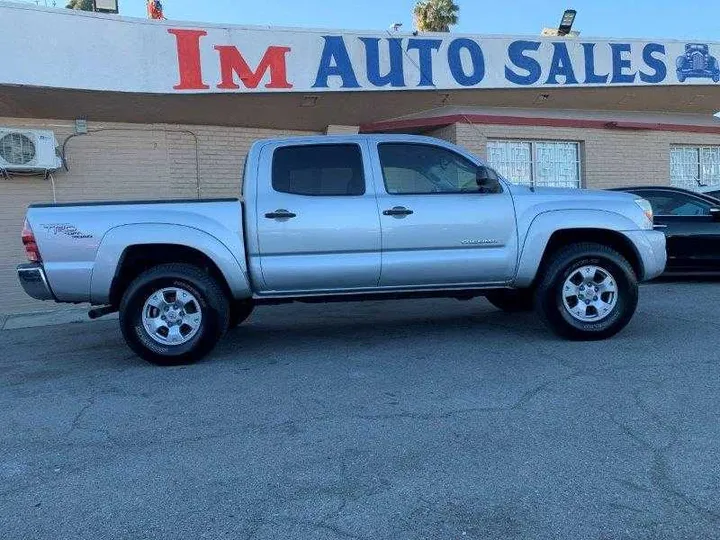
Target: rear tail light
31 247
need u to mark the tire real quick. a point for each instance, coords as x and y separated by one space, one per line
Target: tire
605 312
512 300
239 313
681 76
199 323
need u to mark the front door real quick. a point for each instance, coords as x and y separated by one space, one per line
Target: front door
317 219
442 224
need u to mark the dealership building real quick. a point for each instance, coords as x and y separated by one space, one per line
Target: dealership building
143 109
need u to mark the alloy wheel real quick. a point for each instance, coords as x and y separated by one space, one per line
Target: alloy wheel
172 316
590 293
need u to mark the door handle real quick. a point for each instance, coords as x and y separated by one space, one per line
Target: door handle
659 226
397 211
280 213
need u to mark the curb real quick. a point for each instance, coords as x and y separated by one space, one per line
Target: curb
16 321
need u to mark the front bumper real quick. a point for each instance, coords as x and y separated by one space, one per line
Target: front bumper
650 246
33 281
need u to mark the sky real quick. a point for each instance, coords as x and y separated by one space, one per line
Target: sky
680 19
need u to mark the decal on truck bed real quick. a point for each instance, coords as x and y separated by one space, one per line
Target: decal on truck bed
67 229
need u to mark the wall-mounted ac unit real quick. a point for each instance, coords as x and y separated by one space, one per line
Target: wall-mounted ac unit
28 151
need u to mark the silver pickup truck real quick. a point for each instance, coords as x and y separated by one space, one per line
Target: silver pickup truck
345 218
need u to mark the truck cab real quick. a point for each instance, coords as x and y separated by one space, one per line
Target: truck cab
353 214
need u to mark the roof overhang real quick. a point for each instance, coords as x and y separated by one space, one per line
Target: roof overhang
316 111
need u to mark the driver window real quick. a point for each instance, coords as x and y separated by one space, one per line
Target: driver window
422 169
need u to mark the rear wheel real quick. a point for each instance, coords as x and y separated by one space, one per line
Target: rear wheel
512 300
173 314
589 291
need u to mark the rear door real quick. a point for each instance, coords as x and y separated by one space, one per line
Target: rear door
691 226
439 226
317 220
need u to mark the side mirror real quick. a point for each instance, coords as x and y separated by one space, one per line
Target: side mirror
487 180
485 175
715 213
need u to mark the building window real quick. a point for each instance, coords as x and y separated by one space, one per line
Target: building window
536 163
694 166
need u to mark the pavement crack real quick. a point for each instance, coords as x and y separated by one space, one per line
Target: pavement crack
632 485
525 398
530 394
660 477
659 474
75 423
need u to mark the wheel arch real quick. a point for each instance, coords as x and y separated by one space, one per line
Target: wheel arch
127 251
545 238
612 239
138 258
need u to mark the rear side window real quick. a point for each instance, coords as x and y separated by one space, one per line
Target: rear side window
319 170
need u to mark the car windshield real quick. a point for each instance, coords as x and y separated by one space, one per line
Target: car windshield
667 203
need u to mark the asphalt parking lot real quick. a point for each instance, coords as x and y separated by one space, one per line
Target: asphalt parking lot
408 419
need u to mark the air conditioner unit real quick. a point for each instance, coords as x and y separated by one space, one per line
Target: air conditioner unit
31 151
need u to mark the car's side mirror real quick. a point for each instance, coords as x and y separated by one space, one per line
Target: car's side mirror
485 175
487 180
715 213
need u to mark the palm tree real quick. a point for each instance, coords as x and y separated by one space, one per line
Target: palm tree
435 15
85 5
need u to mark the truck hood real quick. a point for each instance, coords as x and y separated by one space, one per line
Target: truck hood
530 203
558 194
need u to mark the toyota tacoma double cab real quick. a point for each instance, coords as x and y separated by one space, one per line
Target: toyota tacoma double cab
330 218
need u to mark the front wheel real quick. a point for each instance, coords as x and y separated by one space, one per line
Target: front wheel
587 292
173 314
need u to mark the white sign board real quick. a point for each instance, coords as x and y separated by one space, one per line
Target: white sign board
67 49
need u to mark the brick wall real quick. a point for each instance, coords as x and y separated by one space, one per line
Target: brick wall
610 158
447 133
121 161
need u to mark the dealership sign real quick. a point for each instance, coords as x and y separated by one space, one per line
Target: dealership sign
161 57
362 62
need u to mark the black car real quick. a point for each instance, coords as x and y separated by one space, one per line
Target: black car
691 222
